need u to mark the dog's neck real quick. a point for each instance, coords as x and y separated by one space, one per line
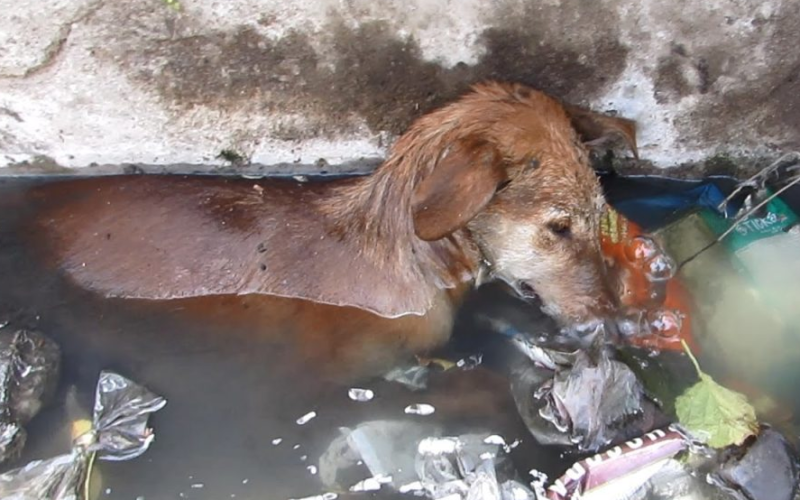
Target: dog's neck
376 212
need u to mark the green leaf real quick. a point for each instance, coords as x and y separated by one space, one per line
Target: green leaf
717 415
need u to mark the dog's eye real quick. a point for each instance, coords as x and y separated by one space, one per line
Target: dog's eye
532 164
560 227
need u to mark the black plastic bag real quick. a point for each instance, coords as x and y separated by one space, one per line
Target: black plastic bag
29 372
767 470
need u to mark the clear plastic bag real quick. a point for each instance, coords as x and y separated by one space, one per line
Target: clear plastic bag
119 432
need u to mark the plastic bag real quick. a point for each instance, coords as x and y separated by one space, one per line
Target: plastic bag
410 456
119 432
650 211
29 371
592 398
768 470
414 377
386 447
467 467
583 396
741 287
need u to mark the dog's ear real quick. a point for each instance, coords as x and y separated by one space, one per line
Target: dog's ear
598 130
462 182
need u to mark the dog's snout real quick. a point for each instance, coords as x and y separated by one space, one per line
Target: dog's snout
608 302
599 295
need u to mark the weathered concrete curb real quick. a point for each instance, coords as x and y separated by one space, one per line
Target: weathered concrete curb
278 82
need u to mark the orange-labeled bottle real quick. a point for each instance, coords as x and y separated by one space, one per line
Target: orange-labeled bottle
656 304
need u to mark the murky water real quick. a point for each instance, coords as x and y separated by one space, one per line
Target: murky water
233 392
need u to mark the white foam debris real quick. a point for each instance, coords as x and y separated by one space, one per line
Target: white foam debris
410 487
438 446
495 439
538 483
325 496
471 362
420 409
371 483
360 395
308 417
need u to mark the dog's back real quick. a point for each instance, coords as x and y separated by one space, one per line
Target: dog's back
497 183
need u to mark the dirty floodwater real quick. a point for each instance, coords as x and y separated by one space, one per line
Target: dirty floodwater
247 416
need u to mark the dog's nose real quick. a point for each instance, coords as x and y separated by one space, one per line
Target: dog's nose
607 302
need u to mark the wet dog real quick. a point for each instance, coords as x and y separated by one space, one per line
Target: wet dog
496 185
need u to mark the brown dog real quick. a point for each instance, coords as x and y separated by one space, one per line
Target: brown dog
495 185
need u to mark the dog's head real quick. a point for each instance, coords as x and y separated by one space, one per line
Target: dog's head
514 174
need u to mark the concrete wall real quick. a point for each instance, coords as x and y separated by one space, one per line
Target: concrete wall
308 82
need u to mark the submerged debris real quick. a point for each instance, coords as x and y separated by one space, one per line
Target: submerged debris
308 417
592 397
590 402
414 377
324 496
420 409
627 467
768 470
29 372
470 362
118 432
360 395
371 483
386 447
413 457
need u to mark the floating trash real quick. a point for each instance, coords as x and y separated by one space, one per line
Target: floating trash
471 362
371 483
495 439
360 395
414 377
29 373
118 432
324 496
420 409
308 417
411 487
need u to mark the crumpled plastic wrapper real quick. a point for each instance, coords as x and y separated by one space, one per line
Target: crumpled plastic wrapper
649 468
119 432
580 397
672 481
467 467
414 377
386 447
29 372
412 457
590 398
